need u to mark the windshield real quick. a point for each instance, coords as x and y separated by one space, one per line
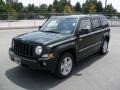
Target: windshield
60 25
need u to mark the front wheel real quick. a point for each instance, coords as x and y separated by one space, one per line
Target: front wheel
65 65
104 48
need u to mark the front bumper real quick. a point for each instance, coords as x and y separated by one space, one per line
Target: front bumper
49 65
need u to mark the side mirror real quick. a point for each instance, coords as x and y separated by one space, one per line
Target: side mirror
84 31
39 27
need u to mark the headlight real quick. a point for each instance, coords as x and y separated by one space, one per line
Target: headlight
38 50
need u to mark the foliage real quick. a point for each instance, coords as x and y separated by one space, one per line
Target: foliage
68 10
78 7
110 9
18 7
85 7
50 8
99 7
92 9
58 6
43 8
89 6
11 11
64 2
2 7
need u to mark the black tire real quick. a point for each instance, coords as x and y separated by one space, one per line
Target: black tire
104 48
59 71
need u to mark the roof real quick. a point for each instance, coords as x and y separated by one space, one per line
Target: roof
78 16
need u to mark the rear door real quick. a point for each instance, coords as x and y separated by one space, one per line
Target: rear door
97 33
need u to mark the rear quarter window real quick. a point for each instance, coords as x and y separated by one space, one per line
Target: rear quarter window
95 23
104 22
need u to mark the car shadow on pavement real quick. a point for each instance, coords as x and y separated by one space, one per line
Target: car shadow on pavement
36 80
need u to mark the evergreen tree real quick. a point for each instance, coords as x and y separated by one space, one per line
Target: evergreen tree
43 8
110 9
50 8
58 6
99 7
77 7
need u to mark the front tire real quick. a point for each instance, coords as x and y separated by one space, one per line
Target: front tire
65 66
104 48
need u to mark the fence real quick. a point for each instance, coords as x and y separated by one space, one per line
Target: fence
35 20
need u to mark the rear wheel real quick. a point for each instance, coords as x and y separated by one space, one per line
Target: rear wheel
104 48
65 65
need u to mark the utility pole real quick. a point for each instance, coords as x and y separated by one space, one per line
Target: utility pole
105 5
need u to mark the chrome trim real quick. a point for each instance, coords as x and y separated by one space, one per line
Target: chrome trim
62 42
94 32
90 46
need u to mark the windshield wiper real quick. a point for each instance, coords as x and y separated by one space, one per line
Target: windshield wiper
51 31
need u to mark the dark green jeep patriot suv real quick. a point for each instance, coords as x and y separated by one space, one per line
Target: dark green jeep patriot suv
61 42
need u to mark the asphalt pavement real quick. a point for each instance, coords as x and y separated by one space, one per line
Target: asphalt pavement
93 73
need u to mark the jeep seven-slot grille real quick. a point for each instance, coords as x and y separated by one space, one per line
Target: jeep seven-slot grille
23 49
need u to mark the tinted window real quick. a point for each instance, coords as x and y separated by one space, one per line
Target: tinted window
95 23
60 25
104 21
85 24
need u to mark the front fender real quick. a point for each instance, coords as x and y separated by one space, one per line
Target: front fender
62 48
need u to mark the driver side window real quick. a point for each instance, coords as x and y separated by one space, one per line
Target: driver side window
85 24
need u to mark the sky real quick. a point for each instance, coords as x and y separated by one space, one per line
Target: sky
115 3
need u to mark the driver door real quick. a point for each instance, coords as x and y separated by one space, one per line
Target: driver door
84 39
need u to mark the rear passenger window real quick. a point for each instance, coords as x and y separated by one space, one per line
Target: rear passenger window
104 21
95 23
85 23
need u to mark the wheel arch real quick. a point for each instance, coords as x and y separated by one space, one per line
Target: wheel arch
66 48
107 38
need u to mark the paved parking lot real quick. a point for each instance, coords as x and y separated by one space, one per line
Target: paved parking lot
94 73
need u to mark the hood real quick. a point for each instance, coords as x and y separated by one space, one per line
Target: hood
43 37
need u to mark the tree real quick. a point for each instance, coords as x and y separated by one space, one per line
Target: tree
85 7
3 10
43 8
30 8
92 9
58 6
2 6
68 9
110 9
99 7
64 2
36 9
18 7
50 7
77 7
11 11
89 6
